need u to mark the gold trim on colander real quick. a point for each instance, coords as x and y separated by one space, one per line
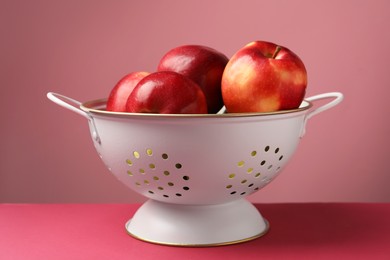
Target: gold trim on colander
99 106
264 232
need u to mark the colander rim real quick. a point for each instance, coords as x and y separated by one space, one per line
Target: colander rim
98 106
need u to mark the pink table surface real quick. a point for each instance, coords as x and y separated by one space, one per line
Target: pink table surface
96 231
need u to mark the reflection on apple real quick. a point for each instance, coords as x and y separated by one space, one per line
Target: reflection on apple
201 64
167 92
119 94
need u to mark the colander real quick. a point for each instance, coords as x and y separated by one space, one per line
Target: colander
196 170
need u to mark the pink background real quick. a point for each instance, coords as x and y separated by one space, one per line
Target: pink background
82 48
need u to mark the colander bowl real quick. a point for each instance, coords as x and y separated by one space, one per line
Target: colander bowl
196 170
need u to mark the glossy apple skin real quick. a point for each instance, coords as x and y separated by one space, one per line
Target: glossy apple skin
120 93
254 81
203 65
167 92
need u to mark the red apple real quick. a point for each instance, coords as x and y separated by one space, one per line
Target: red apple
263 77
118 96
203 65
167 92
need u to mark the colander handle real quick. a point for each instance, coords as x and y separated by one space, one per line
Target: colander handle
74 105
337 98
67 103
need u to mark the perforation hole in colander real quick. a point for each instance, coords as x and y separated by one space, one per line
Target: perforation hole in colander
157 175
255 171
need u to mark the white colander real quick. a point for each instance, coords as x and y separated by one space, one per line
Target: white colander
196 170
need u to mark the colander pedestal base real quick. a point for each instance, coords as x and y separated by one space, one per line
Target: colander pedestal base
197 225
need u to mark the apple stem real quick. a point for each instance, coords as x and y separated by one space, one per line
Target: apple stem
278 48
